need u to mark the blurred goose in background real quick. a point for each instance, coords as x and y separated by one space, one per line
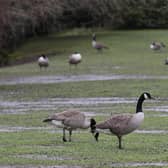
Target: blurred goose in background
121 124
166 61
157 45
75 59
69 120
43 61
98 46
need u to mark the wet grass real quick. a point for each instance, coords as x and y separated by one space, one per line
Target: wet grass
129 53
113 88
34 118
82 151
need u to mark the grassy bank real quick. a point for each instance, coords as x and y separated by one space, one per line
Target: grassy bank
40 144
128 53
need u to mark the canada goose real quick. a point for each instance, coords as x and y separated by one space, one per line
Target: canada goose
75 58
120 125
157 46
43 61
98 46
69 120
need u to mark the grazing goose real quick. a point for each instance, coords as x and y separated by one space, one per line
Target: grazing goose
157 46
120 125
69 120
96 45
43 61
75 59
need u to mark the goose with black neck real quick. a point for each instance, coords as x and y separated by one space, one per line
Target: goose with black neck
121 124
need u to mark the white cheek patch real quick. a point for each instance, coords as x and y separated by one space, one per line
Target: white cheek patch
145 96
152 46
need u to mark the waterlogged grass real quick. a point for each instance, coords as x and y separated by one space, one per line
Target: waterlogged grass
114 88
82 151
34 120
128 54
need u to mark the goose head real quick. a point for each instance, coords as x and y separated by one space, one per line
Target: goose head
144 96
147 95
44 56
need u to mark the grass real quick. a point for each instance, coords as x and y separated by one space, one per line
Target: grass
113 88
129 54
128 50
83 150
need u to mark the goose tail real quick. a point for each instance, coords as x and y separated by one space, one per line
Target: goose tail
47 120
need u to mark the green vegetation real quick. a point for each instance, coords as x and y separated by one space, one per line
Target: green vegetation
114 88
40 144
25 148
129 53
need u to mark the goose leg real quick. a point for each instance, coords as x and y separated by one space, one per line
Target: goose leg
69 67
119 140
64 135
76 66
70 133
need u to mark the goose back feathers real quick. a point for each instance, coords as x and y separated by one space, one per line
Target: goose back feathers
75 58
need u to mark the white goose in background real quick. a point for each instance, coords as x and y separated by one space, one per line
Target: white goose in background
157 45
75 59
69 120
98 46
121 124
43 61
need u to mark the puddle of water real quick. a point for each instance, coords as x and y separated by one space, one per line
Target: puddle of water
52 104
55 103
129 164
19 129
39 166
138 164
158 109
43 157
53 129
93 100
151 131
159 115
73 78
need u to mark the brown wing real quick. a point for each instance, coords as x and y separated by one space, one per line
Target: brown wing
116 124
100 46
63 115
75 121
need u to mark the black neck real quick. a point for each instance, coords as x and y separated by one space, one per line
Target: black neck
94 38
139 104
